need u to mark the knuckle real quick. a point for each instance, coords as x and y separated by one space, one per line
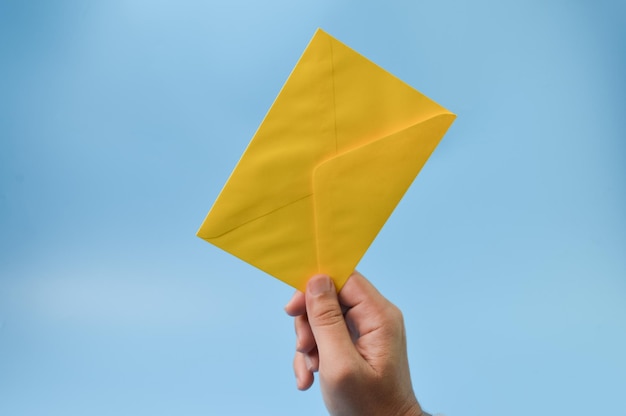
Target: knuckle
327 316
394 318
396 314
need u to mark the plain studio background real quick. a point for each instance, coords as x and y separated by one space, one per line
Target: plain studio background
121 120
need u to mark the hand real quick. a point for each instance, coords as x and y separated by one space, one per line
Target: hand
356 340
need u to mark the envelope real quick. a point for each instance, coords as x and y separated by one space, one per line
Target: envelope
332 158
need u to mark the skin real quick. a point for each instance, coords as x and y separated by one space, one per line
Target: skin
356 341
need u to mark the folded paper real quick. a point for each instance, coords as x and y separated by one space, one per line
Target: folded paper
334 155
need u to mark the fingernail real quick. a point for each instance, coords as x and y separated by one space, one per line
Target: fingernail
308 362
291 300
320 284
298 346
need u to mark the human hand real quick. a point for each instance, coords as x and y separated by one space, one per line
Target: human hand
356 340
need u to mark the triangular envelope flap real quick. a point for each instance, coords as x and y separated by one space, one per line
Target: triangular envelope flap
296 134
370 102
355 192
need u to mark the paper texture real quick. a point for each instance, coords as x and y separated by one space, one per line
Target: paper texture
334 155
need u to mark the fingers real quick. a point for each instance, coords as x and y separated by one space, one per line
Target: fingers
306 360
326 321
296 305
358 289
369 311
304 377
305 341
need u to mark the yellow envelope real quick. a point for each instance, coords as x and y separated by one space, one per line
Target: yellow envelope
334 155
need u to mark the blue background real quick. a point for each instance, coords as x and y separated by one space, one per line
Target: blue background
121 120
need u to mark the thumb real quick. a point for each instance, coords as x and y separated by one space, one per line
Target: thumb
327 321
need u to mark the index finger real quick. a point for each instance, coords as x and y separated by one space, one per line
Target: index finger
296 305
357 290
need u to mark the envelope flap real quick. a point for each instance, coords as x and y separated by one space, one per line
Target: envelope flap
355 192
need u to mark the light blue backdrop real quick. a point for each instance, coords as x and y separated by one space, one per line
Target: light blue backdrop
121 120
